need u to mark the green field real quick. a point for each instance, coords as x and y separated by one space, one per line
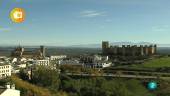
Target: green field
154 63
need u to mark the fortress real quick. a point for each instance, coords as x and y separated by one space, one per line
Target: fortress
128 50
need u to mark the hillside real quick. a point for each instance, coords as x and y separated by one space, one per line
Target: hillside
28 89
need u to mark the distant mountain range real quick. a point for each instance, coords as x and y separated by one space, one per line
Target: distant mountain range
119 44
88 45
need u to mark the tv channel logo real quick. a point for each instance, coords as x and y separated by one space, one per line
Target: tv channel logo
17 15
152 85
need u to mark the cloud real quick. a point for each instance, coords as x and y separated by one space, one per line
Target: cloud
163 28
4 29
92 13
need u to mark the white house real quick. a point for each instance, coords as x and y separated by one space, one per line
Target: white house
43 62
5 70
22 65
98 64
99 57
58 57
9 91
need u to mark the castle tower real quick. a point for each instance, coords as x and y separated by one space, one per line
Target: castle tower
115 50
42 50
105 47
155 49
128 50
111 50
105 44
123 50
146 49
141 50
134 50
151 50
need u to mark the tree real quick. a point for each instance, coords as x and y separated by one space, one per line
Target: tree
23 75
46 77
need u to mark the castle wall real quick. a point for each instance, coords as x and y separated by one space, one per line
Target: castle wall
127 50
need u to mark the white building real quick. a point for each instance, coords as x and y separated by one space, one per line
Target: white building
14 60
58 57
69 62
22 65
96 61
98 64
5 70
99 57
42 62
9 91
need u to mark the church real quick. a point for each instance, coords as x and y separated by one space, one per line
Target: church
20 52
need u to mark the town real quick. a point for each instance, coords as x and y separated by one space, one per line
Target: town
100 64
84 48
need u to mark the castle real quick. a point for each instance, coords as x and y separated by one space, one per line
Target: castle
128 50
21 52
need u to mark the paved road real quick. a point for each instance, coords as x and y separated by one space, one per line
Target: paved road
115 75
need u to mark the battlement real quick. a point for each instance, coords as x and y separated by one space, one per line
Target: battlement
128 50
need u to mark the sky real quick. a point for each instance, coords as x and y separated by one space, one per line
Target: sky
72 22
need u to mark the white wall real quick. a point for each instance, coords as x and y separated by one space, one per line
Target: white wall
57 57
42 62
10 92
5 70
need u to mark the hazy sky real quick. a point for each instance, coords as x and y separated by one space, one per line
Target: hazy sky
70 22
